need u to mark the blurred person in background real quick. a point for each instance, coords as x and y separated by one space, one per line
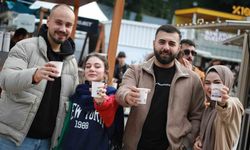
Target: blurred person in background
188 50
19 35
120 67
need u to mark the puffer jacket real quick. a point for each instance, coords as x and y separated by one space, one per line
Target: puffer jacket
184 110
20 98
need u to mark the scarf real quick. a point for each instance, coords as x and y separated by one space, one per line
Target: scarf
207 124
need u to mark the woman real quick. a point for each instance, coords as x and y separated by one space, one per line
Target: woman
93 123
221 120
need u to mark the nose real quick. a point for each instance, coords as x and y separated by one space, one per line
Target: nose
209 87
92 68
62 28
166 46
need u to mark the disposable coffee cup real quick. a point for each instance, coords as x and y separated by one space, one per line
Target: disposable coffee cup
59 66
114 85
143 95
95 88
216 92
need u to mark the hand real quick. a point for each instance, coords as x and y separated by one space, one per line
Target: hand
224 96
102 93
132 98
187 64
47 72
197 145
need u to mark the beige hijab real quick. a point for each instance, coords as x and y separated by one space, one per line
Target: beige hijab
207 130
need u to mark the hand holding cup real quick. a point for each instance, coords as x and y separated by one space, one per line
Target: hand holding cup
98 92
48 72
136 96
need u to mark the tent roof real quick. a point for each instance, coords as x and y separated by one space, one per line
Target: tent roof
90 10
20 7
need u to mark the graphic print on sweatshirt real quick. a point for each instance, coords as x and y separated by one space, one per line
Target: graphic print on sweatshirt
82 119
86 130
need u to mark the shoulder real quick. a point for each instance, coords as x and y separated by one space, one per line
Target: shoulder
111 90
24 47
29 44
186 72
29 41
234 101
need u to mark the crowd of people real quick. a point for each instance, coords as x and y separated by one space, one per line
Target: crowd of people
43 107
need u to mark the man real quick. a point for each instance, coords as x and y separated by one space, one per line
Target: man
34 98
120 67
188 49
170 119
19 35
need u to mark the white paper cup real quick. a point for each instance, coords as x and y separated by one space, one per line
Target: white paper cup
95 87
59 66
143 95
114 85
216 92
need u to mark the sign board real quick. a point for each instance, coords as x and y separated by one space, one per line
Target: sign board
25 21
87 25
240 10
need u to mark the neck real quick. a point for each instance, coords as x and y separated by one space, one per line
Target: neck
55 47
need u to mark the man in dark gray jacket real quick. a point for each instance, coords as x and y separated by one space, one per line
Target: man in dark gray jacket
34 97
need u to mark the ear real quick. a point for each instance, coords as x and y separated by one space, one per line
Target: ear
179 48
48 20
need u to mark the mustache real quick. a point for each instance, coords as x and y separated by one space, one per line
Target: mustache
60 32
164 51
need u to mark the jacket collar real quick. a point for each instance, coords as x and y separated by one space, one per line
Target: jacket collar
67 48
181 71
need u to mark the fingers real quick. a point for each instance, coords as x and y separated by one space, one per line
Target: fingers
197 145
224 94
102 91
132 98
47 72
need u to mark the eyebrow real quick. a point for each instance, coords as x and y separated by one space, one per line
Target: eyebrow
93 64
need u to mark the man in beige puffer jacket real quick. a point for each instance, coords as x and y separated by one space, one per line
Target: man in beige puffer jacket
34 97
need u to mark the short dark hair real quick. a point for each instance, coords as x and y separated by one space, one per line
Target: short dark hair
169 29
189 42
20 32
121 54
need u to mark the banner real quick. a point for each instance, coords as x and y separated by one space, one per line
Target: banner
87 25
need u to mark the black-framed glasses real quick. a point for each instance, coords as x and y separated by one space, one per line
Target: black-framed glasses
188 51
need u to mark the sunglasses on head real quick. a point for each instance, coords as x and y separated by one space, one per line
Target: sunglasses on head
188 51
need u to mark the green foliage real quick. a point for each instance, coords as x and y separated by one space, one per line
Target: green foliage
138 17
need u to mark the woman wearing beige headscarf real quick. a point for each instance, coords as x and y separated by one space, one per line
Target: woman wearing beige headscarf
221 121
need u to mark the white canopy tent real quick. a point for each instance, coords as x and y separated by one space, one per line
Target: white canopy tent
90 10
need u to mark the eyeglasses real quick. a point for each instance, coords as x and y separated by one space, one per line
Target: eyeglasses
188 51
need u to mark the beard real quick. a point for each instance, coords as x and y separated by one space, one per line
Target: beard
57 41
166 59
